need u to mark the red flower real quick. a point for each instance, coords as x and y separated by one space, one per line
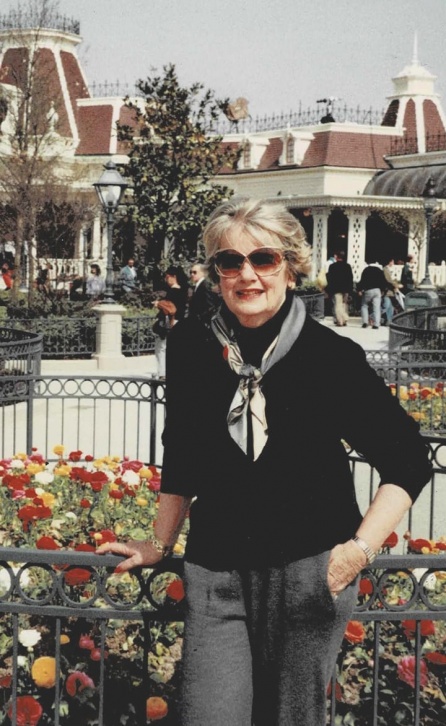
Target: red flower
436 658
47 543
134 465
440 545
28 513
84 547
107 536
85 503
391 541
5 681
156 708
365 586
406 671
86 642
338 691
155 483
29 711
427 627
75 455
77 576
355 632
116 494
77 681
78 472
416 545
175 590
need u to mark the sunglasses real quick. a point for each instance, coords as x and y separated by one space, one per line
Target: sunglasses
263 260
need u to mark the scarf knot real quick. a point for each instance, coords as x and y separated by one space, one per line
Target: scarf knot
248 404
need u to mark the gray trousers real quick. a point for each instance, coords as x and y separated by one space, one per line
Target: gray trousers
260 646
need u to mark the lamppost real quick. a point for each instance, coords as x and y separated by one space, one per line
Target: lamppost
430 205
110 188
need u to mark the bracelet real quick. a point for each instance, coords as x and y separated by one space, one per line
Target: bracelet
369 553
163 549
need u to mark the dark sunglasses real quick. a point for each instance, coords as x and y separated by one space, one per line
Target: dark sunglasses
263 260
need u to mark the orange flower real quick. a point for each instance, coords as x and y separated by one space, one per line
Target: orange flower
355 632
156 708
43 672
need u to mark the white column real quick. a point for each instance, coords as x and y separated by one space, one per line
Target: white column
357 219
96 238
416 243
320 233
109 337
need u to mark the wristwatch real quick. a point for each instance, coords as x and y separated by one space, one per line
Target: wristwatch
369 553
163 549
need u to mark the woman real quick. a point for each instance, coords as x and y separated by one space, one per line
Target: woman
95 283
255 439
168 314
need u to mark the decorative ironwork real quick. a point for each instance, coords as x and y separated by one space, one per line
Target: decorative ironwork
400 146
422 329
301 117
27 20
115 88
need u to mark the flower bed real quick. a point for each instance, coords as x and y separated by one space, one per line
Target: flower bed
426 404
71 505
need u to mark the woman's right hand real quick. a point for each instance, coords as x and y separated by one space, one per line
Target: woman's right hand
139 554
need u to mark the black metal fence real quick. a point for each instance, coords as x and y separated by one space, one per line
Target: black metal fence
423 329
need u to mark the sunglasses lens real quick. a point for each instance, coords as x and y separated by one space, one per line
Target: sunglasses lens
265 261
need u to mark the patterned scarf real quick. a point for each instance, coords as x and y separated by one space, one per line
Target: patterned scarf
249 398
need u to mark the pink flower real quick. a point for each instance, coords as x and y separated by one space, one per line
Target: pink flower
77 681
406 671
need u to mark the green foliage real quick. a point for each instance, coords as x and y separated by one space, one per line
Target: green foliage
173 159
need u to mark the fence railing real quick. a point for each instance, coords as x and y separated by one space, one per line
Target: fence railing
423 329
74 337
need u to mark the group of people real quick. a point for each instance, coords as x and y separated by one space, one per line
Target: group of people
276 539
377 288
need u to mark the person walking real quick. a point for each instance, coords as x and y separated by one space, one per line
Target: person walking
276 538
392 287
407 281
340 287
371 287
203 301
172 308
95 282
128 276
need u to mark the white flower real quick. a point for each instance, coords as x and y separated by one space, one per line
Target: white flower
22 661
430 581
131 478
43 477
29 638
70 515
17 464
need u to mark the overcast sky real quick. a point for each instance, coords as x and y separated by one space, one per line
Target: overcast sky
275 53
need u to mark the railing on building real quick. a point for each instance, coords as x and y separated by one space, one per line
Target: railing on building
301 117
24 20
107 89
423 329
400 146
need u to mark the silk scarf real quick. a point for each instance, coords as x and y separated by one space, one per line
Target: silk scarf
249 400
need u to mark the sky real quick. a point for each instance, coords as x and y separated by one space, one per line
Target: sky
275 53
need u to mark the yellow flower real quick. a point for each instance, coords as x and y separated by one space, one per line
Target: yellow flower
118 529
43 672
178 548
21 456
34 468
64 639
141 502
58 449
63 470
145 473
114 486
48 499
417 415
404 396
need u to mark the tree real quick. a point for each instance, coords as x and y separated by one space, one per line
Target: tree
173 161
36 161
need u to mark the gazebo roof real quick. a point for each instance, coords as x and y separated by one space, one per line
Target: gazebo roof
408 182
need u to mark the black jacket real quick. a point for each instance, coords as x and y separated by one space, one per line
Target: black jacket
372 277
339 278
298 498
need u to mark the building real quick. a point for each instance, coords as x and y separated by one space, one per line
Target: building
348 176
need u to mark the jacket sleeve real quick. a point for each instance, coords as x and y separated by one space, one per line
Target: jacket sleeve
375 425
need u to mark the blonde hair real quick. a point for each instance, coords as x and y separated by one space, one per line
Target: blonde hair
268 223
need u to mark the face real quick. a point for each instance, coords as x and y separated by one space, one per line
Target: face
170 280
251 298
196 274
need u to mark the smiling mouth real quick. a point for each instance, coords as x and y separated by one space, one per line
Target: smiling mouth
249 293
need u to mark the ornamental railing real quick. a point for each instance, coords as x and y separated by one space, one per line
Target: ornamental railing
71 337
424 329
24 20
78 639
400 146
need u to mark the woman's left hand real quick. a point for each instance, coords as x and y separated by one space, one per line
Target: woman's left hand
346 561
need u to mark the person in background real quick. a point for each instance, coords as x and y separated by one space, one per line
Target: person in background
128 276
276 539
43 281
203 301
389 294
340 287
407 281
6 276
371 287
95 282
169 314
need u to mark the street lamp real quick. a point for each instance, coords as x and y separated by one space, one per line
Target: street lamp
110 187
430 205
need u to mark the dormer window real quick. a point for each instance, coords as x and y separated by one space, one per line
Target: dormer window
294 146
246 155
289 154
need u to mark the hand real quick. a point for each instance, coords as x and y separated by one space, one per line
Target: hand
139 554
346 561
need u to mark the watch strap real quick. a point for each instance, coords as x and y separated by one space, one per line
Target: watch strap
161 547
369 553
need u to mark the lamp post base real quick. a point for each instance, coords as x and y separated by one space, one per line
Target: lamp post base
109 336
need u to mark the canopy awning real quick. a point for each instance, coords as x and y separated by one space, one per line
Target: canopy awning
409 182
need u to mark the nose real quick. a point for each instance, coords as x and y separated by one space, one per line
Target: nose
247 271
